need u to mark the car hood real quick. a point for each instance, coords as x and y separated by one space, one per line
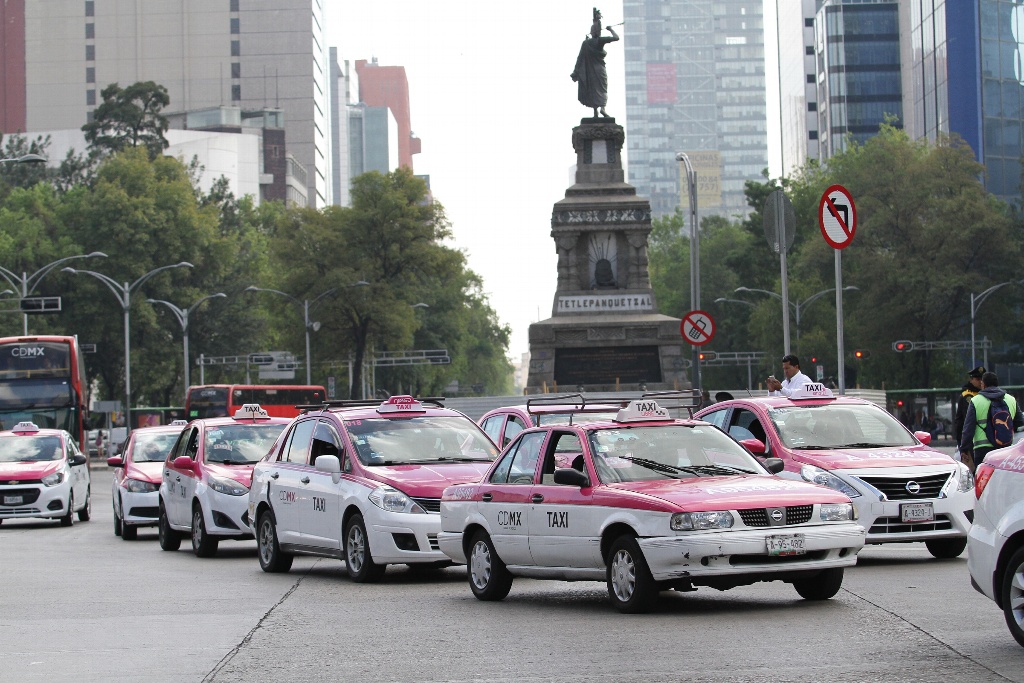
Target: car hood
428 480
240 473
21 471
730 492
145 471
867 458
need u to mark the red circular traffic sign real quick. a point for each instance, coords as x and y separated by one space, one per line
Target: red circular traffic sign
837 217
697 327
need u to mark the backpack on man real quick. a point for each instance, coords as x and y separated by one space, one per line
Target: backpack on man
999 427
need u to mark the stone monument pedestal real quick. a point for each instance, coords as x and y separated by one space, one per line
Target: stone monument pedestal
605 333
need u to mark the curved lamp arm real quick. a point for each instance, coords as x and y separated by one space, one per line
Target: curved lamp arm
119 290
33 280
135 285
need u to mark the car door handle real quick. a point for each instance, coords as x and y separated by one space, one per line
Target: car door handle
275 475
304 480
177 479
486 497
537 498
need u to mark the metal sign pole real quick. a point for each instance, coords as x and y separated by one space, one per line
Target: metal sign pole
839 322
780 218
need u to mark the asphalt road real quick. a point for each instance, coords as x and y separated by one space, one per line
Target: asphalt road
79 603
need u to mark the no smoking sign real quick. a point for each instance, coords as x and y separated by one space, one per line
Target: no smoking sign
697 327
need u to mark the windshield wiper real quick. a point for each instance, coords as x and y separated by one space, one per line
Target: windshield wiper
813 448
723 468
866 444
457 458
659 466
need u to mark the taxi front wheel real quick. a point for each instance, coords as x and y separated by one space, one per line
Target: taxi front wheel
488 576
1013 596
86 512
272 559
203 544
631 588
69 518
821 586
358 560
169 538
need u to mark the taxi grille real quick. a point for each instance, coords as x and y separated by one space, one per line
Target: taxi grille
429 504
28 496
21 482
794 514
895 488
894 525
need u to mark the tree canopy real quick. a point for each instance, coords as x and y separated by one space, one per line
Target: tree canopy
129 117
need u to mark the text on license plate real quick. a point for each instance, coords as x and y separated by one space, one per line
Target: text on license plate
917 512
792 544
13 500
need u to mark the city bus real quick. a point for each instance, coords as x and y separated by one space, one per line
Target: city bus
42 380
279 400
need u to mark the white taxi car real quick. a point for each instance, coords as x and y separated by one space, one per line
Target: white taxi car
135 485
995 545
646 503
206 478
43 474
361 481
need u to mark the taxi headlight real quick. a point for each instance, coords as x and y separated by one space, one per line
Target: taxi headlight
393 500
53 479
837 512
966 478
698 521
136 486
227 486
816 475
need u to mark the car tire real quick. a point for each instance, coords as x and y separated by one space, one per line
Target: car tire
85 514
630 586
203 544
69 518
946 548
170 540
273 560
1012 596
358 559
822 586
489 579
117 523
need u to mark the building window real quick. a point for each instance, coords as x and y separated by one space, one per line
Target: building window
812 106
809 22
812 135
90 74
236 93
810 78
90 53
90 8
234 26
90 31
90 97
809 50
234 5
236 48
236 70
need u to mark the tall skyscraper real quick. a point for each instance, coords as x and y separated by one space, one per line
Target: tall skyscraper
797 76
206 53
695 83
340 94
387 86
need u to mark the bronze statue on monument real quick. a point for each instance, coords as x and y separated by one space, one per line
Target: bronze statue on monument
591 73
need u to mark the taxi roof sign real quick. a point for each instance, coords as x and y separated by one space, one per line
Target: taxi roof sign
180 423
25 428
811 390
251 411
401 404
642 410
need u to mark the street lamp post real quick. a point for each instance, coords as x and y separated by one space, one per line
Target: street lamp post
123 294
306 304
798 306
26 284
976 301
182 316
691 183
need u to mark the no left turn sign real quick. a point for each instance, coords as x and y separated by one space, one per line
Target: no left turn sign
837 217
697 327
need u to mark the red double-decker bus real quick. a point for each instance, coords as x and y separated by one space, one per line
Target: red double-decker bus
42 380
221 400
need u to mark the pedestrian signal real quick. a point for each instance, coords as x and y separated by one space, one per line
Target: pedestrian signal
902 346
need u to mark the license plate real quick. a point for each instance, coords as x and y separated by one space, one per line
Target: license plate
786 545
13 500
917 512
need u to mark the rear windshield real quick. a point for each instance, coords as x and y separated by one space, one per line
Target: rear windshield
383 441
30 448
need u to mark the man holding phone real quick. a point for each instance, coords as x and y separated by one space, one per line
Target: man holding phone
794 378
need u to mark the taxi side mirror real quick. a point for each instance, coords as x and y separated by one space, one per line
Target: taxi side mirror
329 464
774 465
923 437
115 461
77 459
570 477
755 446
183 462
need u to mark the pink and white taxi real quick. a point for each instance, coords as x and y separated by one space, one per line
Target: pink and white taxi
995 545
904 491
502 424
361 481
43 474
646 503
206 478
137 474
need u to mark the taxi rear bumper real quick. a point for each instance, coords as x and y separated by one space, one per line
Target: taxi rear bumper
740 552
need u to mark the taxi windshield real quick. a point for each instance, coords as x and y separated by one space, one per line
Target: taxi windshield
839 425
240 444
577 418
670 451
404 441
30 448
152 447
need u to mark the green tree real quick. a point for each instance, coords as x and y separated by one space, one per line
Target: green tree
129 117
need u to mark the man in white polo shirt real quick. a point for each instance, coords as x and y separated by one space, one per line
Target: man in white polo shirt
794 378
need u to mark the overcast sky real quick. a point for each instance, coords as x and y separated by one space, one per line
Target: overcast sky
491 99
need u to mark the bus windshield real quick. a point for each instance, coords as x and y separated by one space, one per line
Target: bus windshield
48 403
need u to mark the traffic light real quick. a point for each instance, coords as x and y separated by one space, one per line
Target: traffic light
899 404
708 355
902 346
861 353
814 359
